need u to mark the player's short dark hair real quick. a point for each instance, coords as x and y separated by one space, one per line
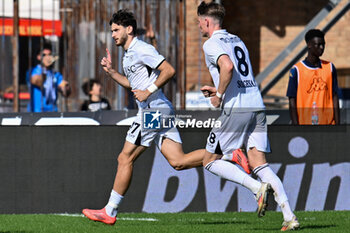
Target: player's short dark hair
312 34
125 18
87 85
211 9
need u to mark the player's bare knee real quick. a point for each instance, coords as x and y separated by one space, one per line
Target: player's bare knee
179 168
256 158
177 165
208 157
206 162
124 158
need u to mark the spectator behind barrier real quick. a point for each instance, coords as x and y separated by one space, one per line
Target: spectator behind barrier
313 86
44 83
96 102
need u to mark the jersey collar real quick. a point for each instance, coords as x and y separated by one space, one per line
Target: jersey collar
133 42
219 31
308 64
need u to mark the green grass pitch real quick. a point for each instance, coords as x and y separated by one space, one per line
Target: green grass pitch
324 221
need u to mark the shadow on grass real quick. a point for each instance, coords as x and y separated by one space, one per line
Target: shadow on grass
318 226
224 222
301 227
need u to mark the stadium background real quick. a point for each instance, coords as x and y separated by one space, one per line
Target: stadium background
267 27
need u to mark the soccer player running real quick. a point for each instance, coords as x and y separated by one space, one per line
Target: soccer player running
243 117
147 71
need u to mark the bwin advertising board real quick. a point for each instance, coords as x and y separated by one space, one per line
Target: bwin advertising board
58 169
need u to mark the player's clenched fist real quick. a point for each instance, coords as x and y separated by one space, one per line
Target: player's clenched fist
208 91
141 95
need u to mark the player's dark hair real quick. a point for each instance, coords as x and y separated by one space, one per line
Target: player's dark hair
211 9
87 86
125 18
312 34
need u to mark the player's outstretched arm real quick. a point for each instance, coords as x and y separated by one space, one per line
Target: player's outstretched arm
166 73
106 63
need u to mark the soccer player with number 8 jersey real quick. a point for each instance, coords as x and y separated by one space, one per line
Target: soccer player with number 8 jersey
236 92
146 71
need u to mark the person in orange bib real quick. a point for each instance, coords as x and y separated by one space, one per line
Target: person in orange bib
313 86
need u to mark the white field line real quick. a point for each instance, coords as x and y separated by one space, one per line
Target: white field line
139 219
125 219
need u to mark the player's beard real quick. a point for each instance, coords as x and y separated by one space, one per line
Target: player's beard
118 42
121 40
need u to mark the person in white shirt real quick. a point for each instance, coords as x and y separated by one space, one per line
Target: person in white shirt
243 116
146 71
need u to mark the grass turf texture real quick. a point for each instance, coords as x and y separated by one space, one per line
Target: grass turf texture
325 221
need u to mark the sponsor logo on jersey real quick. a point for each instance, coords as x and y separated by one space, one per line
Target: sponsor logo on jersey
230 39
317 85
130 69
